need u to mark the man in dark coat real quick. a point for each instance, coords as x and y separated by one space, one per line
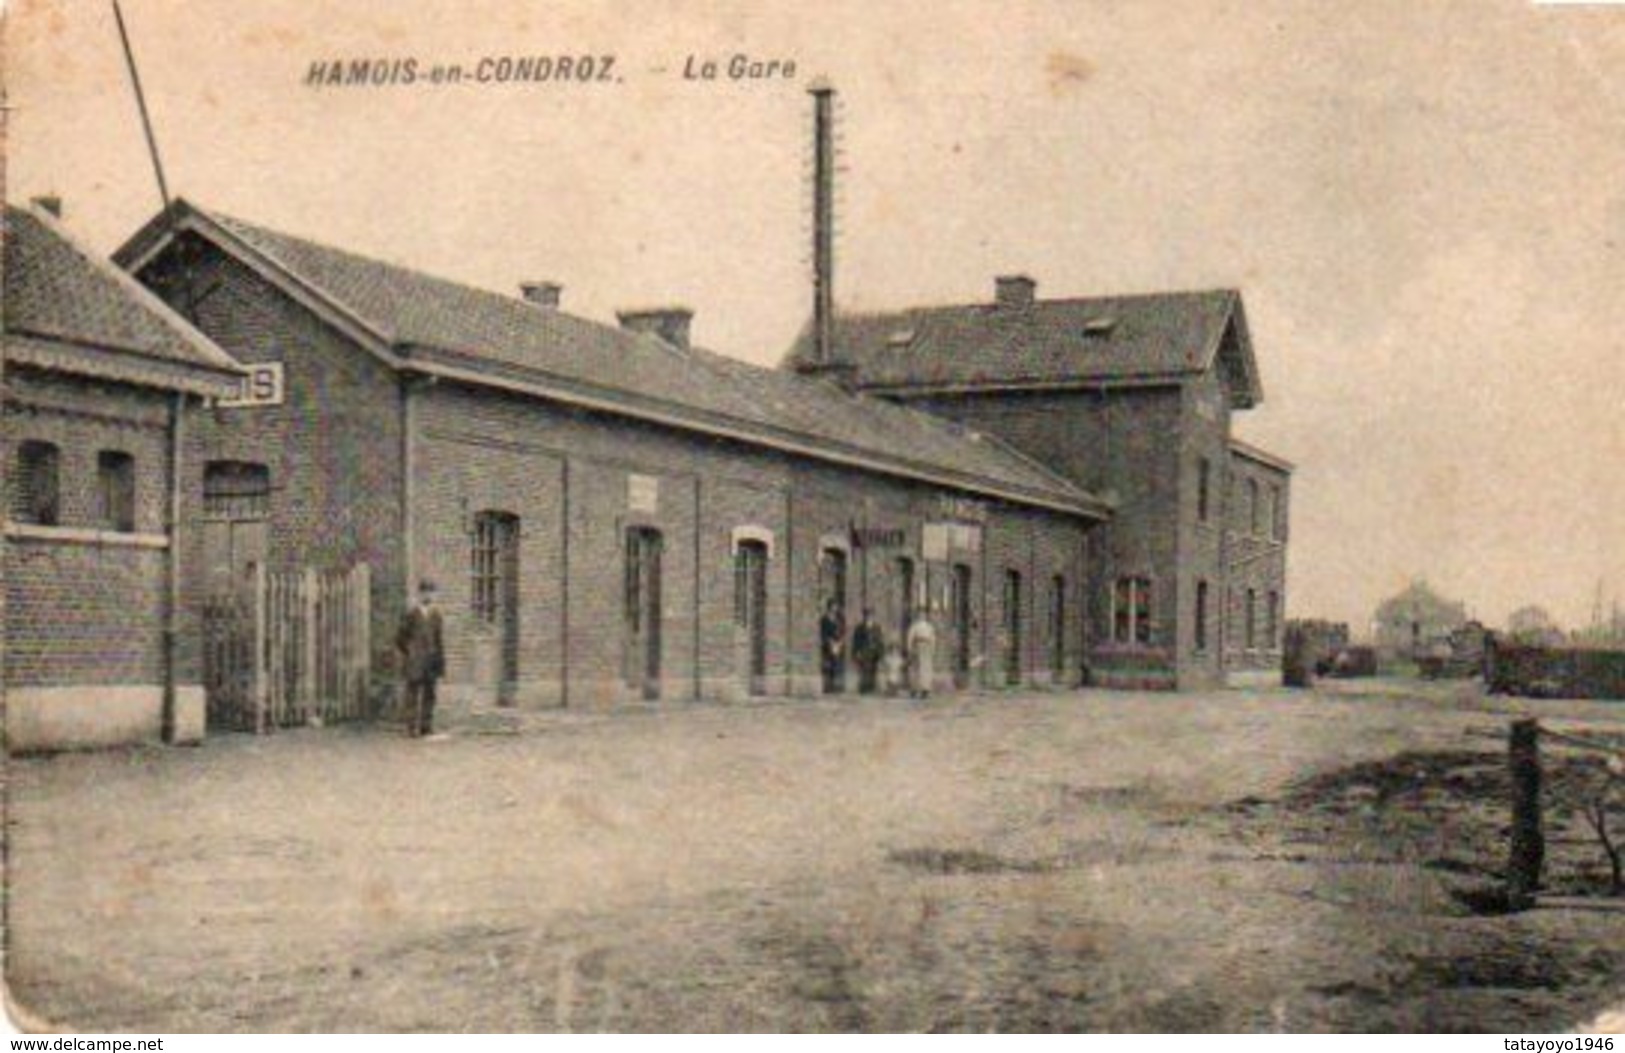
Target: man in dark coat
832 647
423 659
868 648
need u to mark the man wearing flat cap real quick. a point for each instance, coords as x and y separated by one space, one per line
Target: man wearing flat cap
423 659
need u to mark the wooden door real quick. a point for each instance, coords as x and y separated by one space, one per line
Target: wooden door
832 588
750 605
641 662
959 611
1012 627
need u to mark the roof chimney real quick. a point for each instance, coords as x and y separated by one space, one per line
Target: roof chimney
1013 291
49 203
542 294
823 223
668 323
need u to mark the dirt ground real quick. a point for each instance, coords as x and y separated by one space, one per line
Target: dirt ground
1096 861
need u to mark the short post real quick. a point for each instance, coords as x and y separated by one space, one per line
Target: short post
1528 850
1296 661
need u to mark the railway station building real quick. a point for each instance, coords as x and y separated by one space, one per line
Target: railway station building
611 514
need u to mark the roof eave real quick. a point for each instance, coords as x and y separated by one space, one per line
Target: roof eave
120 365
1262 456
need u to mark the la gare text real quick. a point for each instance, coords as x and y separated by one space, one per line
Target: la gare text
739 67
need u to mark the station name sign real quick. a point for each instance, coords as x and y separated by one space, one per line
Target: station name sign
879 537
261 387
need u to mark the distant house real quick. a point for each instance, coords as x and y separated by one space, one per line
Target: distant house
102 382
1416 620
1533 624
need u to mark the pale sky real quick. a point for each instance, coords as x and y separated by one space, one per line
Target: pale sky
1423 205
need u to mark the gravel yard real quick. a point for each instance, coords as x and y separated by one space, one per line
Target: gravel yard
1095 861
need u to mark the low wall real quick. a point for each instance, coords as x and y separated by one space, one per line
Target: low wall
40 719
1554 672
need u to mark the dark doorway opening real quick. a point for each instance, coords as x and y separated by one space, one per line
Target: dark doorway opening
641 653
1012 626
750 610
960 618
832 574
495 600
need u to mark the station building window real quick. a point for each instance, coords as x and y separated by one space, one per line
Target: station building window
1204 484
1131 610
36 495
492 561
115 478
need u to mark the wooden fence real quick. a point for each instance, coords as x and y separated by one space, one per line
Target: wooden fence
289 648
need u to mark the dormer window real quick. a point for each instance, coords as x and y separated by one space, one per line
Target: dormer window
900 338
1099 328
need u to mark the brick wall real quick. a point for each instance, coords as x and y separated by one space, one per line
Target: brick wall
1257 565
1128 443
565 474
1204 440
86 611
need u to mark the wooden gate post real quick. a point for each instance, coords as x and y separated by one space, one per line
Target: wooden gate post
310 686
259 612
362 643
1528 849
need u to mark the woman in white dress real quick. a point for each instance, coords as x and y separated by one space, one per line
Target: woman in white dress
922 653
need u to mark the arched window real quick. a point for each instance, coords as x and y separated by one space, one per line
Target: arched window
115 478
491 563
236 491
36 495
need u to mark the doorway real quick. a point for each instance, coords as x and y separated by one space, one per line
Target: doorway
959 613
832 590
236 515
1012 627
495 596
750 610
641 653
1057 629
905 596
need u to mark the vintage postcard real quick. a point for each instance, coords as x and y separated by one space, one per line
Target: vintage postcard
843 517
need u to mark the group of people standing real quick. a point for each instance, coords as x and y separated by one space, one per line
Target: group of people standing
890 666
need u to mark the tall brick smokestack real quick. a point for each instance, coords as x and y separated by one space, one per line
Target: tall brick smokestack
823 223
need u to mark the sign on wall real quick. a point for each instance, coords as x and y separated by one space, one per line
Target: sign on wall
938 540
261 387
642 494
879 537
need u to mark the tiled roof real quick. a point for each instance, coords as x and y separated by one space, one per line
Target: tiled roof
1055 341
60 293
431 320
